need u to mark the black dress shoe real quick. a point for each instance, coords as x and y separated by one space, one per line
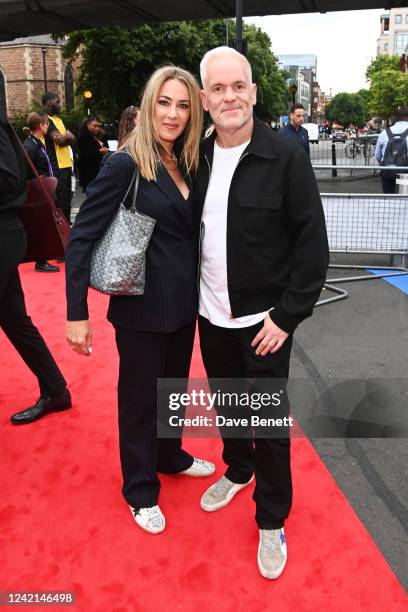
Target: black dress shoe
46 267
43 406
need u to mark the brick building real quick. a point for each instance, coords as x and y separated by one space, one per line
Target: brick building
28 67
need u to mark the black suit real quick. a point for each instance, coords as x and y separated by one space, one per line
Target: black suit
155 331
14 320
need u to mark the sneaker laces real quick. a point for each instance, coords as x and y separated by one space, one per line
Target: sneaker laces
152 515
270 541
222 486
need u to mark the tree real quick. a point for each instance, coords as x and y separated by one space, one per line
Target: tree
116 62
365 96
388 91
380 63
346 108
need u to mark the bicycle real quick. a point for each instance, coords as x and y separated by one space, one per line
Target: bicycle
355 148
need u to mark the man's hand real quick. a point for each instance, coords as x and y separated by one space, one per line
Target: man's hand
79 336
269 339
104 150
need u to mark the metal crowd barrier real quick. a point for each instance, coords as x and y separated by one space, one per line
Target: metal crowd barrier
366 224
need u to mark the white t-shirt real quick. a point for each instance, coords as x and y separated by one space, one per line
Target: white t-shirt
214 299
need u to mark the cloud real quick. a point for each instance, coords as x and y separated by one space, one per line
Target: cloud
344 42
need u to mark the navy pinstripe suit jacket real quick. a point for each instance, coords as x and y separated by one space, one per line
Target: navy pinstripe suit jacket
170 298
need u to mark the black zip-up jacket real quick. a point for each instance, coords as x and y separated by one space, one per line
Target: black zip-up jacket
277 250
33 146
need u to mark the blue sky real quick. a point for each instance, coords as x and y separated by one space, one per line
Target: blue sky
344 43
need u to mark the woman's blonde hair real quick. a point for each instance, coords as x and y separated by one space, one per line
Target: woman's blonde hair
142 143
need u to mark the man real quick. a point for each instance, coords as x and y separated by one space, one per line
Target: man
392 149
264 256
294 129
58 141
14 320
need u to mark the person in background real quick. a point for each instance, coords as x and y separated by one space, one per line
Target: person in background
127 123
388 177
34 144
14 320
92 146
154 331
294 129
58 140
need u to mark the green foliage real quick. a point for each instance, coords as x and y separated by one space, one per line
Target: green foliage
388 91
346 109
380 63
117 62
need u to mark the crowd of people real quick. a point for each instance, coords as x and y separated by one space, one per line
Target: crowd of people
239 243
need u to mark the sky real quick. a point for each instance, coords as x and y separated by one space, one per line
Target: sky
344 42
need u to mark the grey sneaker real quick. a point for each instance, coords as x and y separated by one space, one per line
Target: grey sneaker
272 552
199 468
221 493
149 519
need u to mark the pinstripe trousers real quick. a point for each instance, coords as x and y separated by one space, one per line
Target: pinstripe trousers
145 357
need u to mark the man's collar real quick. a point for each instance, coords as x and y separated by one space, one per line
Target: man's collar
261 143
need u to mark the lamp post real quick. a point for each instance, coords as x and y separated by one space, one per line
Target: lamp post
88 96
44 52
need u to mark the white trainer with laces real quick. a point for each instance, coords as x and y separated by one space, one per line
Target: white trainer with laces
150 519
221 493
199 469
272 552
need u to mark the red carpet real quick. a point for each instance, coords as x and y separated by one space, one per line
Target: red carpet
66 527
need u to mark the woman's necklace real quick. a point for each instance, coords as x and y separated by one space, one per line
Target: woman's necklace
169 160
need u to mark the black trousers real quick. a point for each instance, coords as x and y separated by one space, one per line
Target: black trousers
14 320
63 194
227 353
388 183
145 357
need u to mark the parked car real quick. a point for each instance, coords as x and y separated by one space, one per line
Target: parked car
338 136
313 131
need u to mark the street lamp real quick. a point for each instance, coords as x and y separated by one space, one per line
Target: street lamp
88 96
44 51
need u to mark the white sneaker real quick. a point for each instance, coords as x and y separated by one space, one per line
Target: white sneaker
149 519
221 493
199 468
272 552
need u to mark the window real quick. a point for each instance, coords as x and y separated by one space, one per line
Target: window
385 46
398 18
69 88
3 105
406 18
401 41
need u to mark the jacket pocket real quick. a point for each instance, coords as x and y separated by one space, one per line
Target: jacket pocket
266 201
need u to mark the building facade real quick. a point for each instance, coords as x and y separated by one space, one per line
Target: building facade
30 66
302 69
394 32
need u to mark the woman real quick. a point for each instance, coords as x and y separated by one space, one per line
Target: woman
128 122
154 331
91 148
34 144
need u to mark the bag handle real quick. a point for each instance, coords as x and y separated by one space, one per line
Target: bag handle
51 203
136 180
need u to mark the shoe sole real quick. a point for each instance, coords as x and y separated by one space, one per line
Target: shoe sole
155 532
47 271
215 507
265 573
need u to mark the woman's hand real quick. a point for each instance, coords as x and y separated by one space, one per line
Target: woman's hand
79 336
